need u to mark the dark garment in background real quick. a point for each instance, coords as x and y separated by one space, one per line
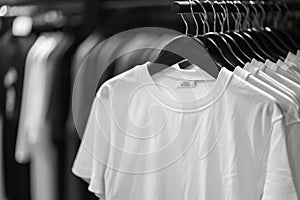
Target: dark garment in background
12 62
76 188
58 112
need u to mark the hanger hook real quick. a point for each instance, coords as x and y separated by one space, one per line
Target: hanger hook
240 25
256 15
287 10
280 16
263 13
236 19
185 24
214 14
194 18
204 18
224 15
246 23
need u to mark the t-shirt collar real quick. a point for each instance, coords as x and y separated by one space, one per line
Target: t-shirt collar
215 93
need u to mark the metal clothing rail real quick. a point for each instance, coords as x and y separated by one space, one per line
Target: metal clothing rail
182 7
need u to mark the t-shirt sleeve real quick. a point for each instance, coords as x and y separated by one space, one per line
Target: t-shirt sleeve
91 160
278 182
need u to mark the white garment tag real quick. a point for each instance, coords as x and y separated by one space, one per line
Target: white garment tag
186 84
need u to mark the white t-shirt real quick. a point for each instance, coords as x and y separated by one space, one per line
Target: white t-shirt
292 60
255 71
292 118
34 133
267 68
162 137
286 70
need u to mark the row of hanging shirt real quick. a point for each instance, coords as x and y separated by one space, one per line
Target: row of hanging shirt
35 141
39 140
38 134
178 128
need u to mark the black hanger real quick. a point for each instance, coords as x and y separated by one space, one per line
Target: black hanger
278 44
272 41
280 41
225 48
235 48
243 53
219 40
212 47
254 46
217 47
216 53
288 37
259 41
243 42
181 48
245 45
266 44
283 36
240 44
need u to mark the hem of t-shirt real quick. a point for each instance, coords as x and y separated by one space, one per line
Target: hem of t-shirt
94 186
82 172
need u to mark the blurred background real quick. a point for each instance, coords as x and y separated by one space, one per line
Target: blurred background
44 44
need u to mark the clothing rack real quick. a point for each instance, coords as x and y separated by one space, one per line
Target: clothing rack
182 7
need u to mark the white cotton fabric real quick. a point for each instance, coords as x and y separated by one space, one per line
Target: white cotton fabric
33 140
146 140
292 60
292 120
287 70
253 68
267 68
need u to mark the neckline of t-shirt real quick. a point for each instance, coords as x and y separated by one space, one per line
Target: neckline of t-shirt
199 104
191 74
